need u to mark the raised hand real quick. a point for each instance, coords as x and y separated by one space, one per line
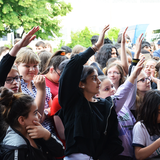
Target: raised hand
124 36
138 46
38 131
24 42
28 38
100 41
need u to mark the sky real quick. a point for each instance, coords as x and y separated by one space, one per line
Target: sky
118 13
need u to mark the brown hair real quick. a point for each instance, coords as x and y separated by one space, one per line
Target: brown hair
121 71
14 105
26 55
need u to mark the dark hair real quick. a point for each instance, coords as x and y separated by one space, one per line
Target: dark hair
148 112
94 39
44 56
40 43
158 69
144 44
67 49
3 48
54 61
14 105
87 70
107 41
104 54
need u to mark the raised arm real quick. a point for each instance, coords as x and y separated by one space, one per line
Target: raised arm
126 93
124 59
8 60
70 78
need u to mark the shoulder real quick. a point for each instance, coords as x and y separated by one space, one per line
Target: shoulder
13 139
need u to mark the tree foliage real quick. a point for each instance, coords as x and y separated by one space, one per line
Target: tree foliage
112 34
82 38
30 13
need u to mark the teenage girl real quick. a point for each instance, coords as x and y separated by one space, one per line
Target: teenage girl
25 137
90 123
146 132
13 80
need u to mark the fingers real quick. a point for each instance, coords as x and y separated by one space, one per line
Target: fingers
39 78
125 31
106 28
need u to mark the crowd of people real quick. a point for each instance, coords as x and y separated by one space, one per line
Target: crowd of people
96 103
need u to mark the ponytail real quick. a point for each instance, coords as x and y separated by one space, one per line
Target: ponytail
14 105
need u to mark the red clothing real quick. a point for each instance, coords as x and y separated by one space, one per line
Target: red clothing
55 105
53 87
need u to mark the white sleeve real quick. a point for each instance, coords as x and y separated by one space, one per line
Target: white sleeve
139 135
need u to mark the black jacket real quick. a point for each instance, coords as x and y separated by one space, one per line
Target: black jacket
16 147
85 122
5 67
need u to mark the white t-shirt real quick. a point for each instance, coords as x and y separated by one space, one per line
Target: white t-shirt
141 138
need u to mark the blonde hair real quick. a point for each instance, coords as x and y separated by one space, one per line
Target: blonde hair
26 55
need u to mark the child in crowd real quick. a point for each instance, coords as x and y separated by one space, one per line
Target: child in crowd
48 47
44 56
146 132
13 80
8 60
40 45
52 73
34 85
124 99
25 137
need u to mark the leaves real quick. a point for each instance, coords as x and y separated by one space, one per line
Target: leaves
30 13
113 34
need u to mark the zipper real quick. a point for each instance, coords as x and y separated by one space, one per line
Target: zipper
105 132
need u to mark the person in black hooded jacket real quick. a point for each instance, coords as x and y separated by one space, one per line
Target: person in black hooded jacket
91 126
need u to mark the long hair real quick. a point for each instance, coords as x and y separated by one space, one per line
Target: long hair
121 71
148 112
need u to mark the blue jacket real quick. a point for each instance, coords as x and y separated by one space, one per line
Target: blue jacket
156 53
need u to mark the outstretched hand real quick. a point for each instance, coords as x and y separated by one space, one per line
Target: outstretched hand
124 36
28 38
138 46
100 41
38 131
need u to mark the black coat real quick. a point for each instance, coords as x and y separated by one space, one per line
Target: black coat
15 145
86 122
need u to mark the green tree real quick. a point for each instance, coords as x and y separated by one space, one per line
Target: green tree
112 34
82 37
30 13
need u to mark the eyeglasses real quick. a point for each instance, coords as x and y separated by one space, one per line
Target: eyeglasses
58 73
10 80
114 73
144 79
